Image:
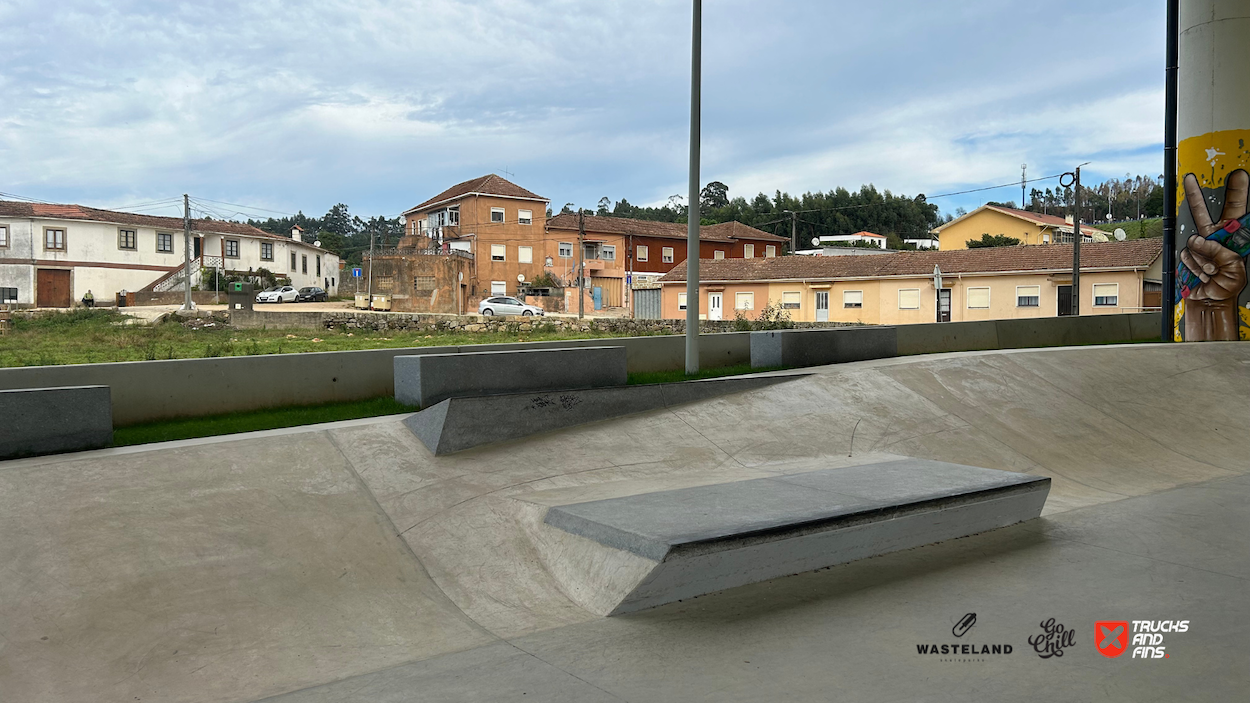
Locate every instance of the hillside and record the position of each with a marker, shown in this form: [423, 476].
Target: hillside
[1136, 229]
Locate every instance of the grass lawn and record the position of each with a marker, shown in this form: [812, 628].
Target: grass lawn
[232, 423]
[92, 337]
[680, 375]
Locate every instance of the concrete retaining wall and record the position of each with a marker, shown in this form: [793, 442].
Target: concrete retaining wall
[55, 420]
[818, 347]
[144, 391]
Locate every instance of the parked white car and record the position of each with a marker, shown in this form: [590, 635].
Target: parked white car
[278, 294]
[503, 305]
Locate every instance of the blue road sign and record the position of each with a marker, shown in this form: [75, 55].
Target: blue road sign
[355, 273]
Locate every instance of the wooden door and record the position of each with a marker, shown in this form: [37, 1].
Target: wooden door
[52, 289]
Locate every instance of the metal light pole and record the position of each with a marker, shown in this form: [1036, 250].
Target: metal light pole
[1168, 299]
[692, 219]
[1074, 180]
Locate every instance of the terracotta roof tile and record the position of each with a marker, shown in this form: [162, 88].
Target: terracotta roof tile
[1136, 254]
[723, 232]
[9, 208]
[488, 185]
[1035, 217]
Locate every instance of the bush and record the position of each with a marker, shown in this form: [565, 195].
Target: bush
[774, 317]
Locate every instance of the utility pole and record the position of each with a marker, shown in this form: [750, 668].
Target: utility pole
[1024, 169]
[581, 263]
[1168, 299]
[370, 293]
[1076, 245]
[186, 251]
[794, 232]
[692, 217]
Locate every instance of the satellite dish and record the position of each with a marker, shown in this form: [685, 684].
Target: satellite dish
[815, 241]
[317, 243]
[1120, 234]
[520, 277]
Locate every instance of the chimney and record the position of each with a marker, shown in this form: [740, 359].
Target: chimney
[296, 233]
[1068, 219]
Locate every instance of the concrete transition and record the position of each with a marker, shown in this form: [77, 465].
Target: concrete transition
[457, 424]
[55, 420]
[431, 378]
[795, 348]
[709, 538]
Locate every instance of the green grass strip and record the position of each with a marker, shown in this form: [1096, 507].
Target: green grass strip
[232, 423]
[678, 375]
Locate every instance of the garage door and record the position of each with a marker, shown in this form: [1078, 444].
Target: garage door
[53, 289]
[611, 290]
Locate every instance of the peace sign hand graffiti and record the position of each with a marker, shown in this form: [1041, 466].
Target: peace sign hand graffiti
[1211, 303]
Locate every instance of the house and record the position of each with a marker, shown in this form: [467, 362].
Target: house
[861, 238]
[1028, 227]
[51, 255]
[926, 242]
[499, 225]
[927, 286]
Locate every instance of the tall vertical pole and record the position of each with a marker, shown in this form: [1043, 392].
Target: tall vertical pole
[1168, 299]
[794, 232]
[692, 219]
[1024, 168]
[186, 251]
[370, 291]
[581, 263]
[1076, 243]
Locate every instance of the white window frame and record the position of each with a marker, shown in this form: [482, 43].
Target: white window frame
[968, 297]
[901, 291]
[607, 252]
[770, 251]
[565, 250]
[497, 211]
[641, 252]
[525, 255]
[741, 295]
[718, 254]
[498, 288]
[525, 217]
[681, 301]
[1115, 299]
[4, 236]
[1046, 238]
[847, 302]
[795, 304]
[748, 251]
[666, 255]
[499, 252]
[1019, 295]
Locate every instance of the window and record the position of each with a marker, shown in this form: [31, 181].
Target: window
[423, 284]
[1106, 294]
[8, 295]
[496, 214]
[744, 301]
[266, 251]
[978, 298]
[909, 299]
[498, 287]
[525, 255]
[748, 251]
[718, 254]
[855, 299]
[642, 252]
[54, 239]
[525, 217]
[1028, 296]
[304, 262]
[666, 255]
[127, 239]
[1046, 238]
[566, 250]
[318, 264]
[164, 243]
[608, 252]
[4, 237]
[770, 251]
[498, 252]
[790, 299]
[292, 261]
[232, 251]
[681, 301]
[453, 215]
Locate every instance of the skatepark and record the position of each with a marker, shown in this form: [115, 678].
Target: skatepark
[349, 562]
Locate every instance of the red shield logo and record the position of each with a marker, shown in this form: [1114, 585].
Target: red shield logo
[1111, 637]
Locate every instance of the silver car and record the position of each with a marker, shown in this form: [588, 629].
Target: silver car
[503, 305]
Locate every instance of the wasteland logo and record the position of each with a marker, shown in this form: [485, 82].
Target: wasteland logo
[963, 652]
[1052, 640]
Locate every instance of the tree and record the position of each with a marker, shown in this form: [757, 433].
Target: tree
[605, 205]
[567, 209]
[714, 195]
[996, 240]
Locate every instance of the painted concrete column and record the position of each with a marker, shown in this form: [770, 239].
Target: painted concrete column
[1213, 153]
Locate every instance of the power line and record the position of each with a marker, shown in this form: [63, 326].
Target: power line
[22, 197]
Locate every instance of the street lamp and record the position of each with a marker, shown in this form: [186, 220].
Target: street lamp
[1073, 178]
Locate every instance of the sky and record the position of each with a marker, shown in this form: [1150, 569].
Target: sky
[285, 107]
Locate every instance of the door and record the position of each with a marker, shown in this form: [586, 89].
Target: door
[714, 302]
[822, 306]
[597, 294]
[944, 305]
[1065, 300]
[197, 243]
[52, 289]
[514, 306]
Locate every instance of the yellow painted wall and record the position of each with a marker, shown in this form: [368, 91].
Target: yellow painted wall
[991, 222]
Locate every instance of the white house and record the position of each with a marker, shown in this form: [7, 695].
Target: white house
[51, 255]
[922, 242]
[876, 240]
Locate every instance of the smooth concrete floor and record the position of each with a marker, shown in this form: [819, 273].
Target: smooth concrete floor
[347, 557]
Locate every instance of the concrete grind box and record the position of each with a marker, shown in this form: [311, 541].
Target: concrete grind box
[431, 378]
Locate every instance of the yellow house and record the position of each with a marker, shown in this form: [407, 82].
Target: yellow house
[926, 286]
[1029, 227]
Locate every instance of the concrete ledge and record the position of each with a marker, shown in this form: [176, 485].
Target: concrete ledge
[797, 348]
[432, 378]
[55, 420]
[709, 538]
[1062, 331]
[935, 337]
[457, 424]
